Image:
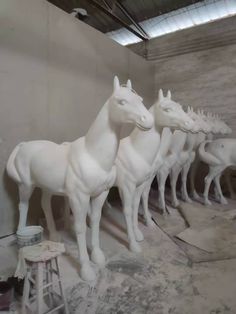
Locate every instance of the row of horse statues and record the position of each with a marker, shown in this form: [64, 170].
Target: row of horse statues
[165, 141]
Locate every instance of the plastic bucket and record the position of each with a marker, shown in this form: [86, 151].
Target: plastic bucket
[29, 235]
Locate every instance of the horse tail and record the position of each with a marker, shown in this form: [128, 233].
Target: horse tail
[11, 168]
[207, 157]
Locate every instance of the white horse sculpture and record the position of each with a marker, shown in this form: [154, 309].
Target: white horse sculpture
[217, 126]
[82, 170]
[219, 155]
[136, 156]
[189, 152]
[193, 145]
[160, 160]
[174, 155]
[170, 151]
[183, 155]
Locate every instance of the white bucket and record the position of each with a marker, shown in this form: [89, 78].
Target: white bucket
[29, 235]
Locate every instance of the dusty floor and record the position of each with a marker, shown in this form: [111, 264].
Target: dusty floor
[163, 279]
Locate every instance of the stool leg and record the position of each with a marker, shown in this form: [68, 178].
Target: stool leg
[60, 287]
[49, 280]
[25, 298]
[39, 287]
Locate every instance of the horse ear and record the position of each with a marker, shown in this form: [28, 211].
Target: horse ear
[129, 85]
[188, 110]
[116, 84]
[160, 95]
[169, 94]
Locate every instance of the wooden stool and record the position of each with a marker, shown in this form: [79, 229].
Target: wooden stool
[41, 277]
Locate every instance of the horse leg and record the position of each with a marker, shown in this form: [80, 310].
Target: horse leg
[144, 198]
[47, 209]
[208, 179]
[184, 175]
[193, 172]
[161, 179]
[97, 255]
[219, 190]
[80, 203]
[136, 201]
[127, 195]
[173, 180]
[24, 195]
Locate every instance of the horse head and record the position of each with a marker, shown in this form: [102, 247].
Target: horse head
[170, 114]
[126, 106]
[222, 126]
[200, 120]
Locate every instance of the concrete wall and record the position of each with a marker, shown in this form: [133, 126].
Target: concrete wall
[204, 79]
[55, 74]
[198, 65]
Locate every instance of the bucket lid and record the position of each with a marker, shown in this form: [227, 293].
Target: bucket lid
[30, 230]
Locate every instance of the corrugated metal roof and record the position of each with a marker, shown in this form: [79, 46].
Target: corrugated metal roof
[139, 9]
[195, 14]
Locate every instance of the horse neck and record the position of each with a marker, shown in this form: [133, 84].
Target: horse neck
[146, 143]
[166, 137]
[200, 138]
[102, 139]
[178, 141]
[190, 141]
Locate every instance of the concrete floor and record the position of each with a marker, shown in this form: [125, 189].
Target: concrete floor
[163, 279]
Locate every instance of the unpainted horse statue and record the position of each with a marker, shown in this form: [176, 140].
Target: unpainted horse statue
[186, 156]
[174, 157]
[217, 126]
[219, 154]
[82, 170]
[136, 158]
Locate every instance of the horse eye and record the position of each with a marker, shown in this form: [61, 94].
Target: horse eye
[168, 110]
[122, 102]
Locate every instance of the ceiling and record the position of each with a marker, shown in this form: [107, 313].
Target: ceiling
[139, 10]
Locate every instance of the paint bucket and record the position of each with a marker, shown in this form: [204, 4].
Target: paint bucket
[29, 235]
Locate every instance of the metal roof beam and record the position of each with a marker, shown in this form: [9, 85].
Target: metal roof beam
[117, 19]
[131, 18]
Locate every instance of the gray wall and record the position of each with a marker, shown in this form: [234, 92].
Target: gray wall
[55, 74]
[198, 65]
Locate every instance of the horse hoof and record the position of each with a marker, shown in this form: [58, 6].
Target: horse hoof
[87, 273]
[207, 202]
[196, 197]
[165, 214]
[175, 203]
[223, 201]
[98, 257]
[150, 223]
[135, 247]
[188, 200]
[138, 235]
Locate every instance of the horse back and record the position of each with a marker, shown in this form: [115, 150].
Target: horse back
[43, 164]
